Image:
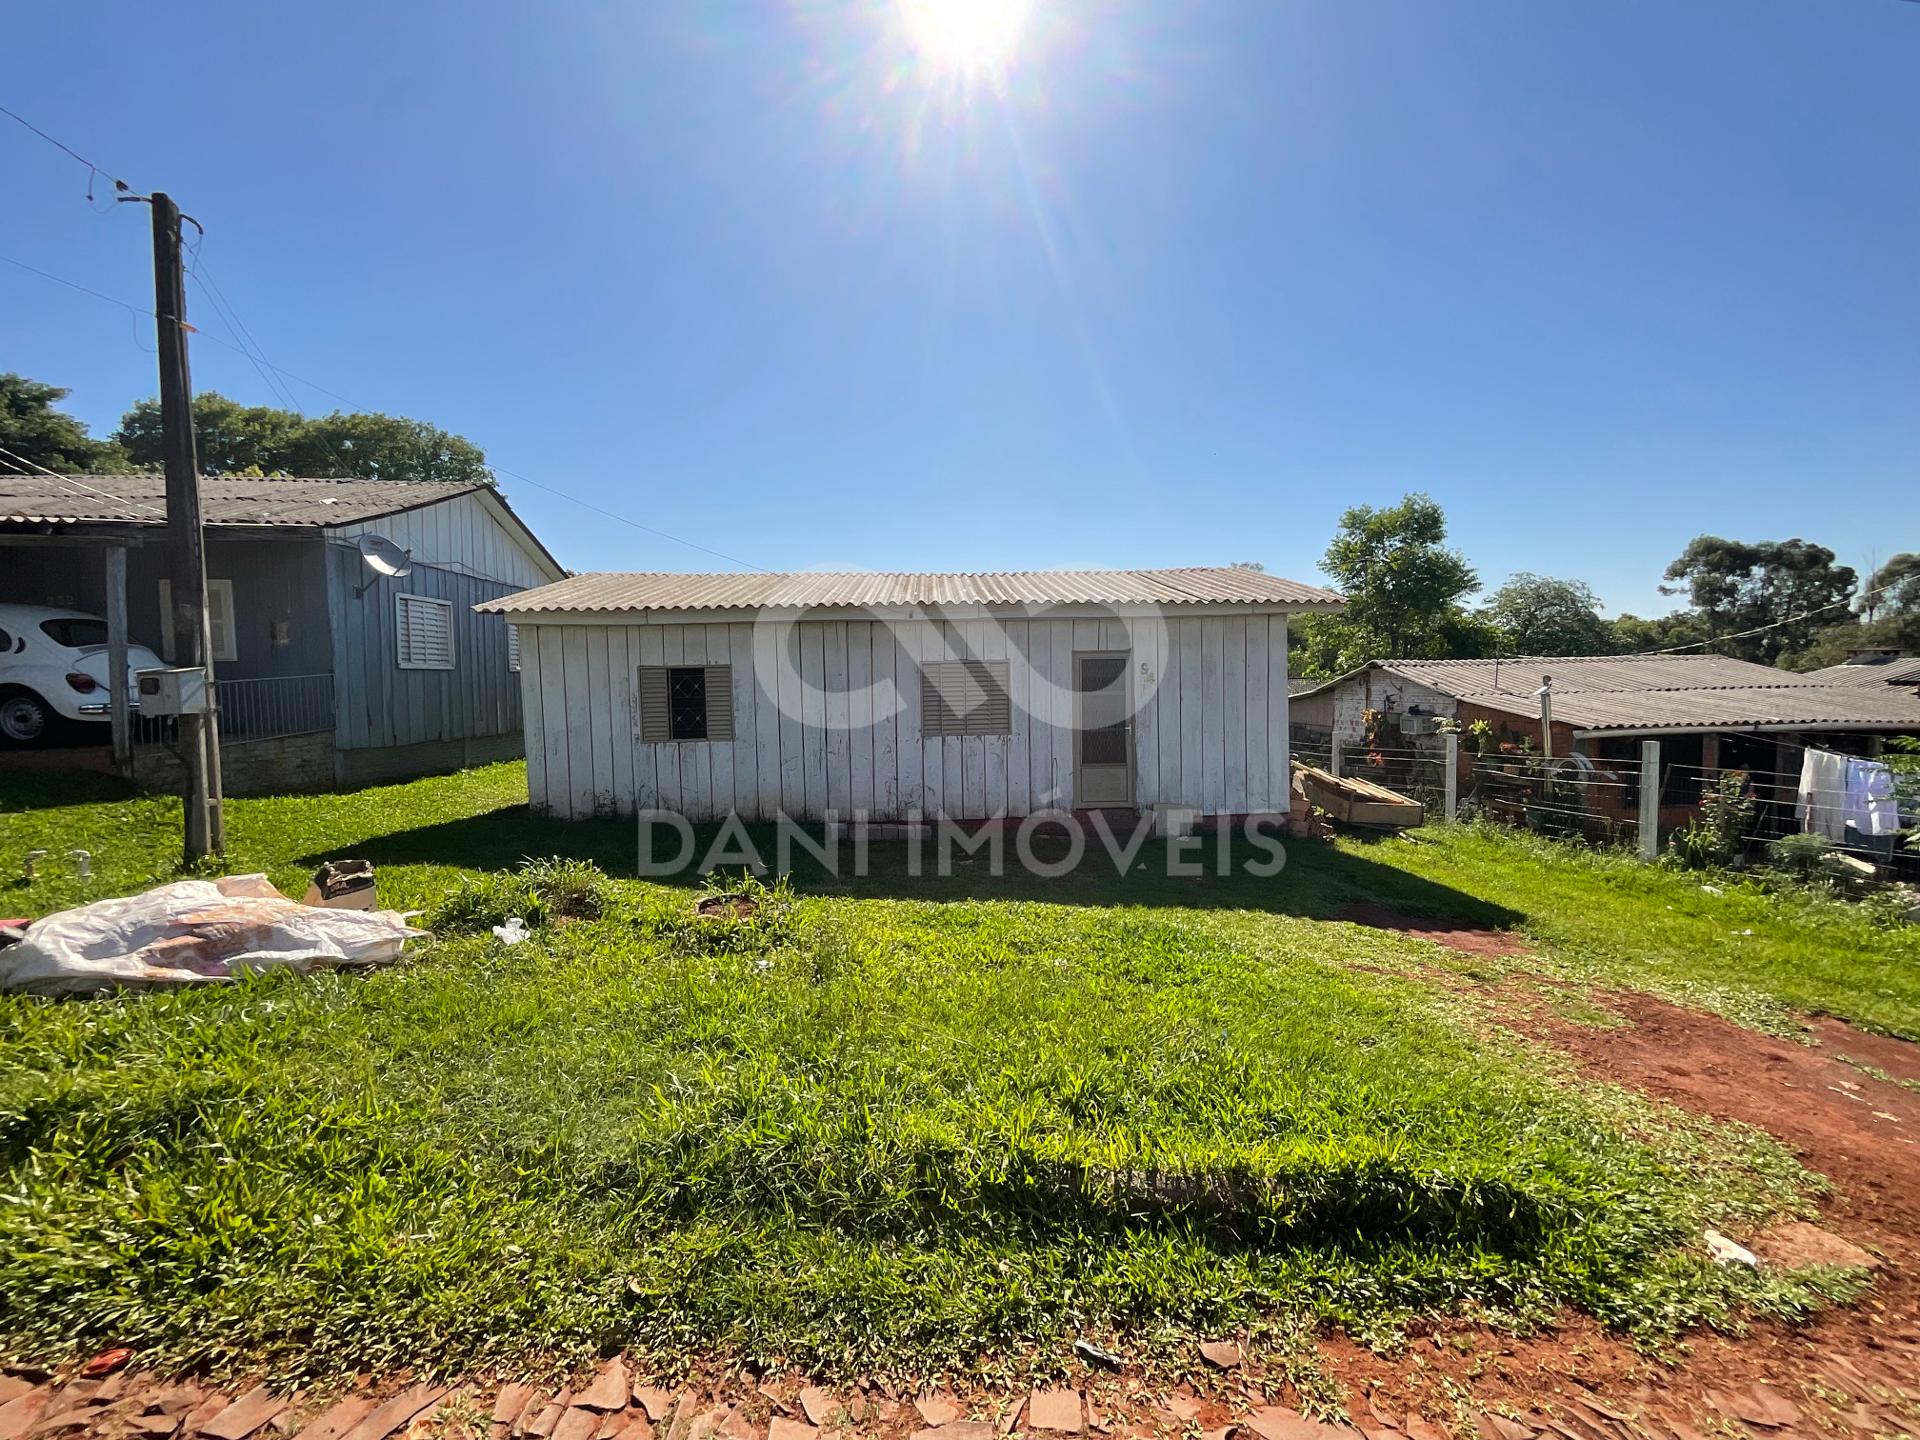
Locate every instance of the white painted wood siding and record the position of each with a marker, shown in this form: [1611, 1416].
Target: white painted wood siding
[834, 722]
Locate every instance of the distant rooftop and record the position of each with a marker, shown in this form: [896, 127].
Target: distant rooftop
[1664, 692]
[1882, 670]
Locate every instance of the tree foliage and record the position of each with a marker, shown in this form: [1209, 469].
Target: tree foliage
[1538, 615]
[33, 427]
[1633, 635]
[1737, 586]
[1404, 589]
[1893, 592]
[235, 439]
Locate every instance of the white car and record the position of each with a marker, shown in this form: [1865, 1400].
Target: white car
[53, 667]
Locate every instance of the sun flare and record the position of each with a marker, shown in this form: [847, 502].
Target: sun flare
[967, 37]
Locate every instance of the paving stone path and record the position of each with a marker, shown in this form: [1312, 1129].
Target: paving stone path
[1875, 1395]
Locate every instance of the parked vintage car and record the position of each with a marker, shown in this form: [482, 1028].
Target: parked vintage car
[53, 669]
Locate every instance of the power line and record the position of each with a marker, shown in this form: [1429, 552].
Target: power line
[260, 362]
[1845, 604]
[79, 488]
[120, 186]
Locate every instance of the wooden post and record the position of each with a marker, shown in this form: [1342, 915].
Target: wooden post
[199, 734]
[117, 710]
[1333, 755]
[1649, 799]
[1450, 751]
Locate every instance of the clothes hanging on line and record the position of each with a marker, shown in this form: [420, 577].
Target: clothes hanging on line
[1872, 808]
[1822, 802]
[1842, 791]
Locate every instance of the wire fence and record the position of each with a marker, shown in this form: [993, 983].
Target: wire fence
[1740, 813]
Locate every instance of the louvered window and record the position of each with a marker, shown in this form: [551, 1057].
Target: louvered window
[686, 702]
[965, 697]
[423, 632]
[513, 648]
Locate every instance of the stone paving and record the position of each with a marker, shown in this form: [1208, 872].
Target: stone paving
[1224, 1399]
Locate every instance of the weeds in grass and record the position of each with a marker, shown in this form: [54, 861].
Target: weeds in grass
[539, 892]
[737, 915]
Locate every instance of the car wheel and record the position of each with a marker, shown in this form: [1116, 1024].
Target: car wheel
[25, 718]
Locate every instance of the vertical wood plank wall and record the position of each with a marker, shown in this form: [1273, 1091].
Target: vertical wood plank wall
[463, 555]
[1212, 735]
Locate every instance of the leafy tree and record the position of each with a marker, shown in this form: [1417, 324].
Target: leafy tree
[39, 433]
[1403, 588]
[1736, 586]
[1635, 636]
[1893, 591]
[1538, 615]
[235, 439]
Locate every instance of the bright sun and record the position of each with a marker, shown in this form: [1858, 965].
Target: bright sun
[967, 37]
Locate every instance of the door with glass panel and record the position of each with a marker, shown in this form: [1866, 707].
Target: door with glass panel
[1102, 729]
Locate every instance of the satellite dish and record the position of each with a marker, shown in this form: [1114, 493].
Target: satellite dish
[382, 557]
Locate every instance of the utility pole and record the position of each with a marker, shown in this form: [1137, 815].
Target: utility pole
[186, 542]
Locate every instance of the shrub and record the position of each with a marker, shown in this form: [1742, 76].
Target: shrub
[556, 888]
[1720, 834]
[1804, 857]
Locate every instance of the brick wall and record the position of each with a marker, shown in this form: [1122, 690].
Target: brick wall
[284, 764]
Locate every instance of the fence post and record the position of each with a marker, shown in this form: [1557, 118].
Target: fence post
[1649, 799]
[1333, 756]
[1450, 751]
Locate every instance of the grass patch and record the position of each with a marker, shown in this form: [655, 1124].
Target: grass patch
[860, 1124]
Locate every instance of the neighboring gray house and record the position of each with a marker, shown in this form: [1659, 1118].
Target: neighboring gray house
[898, 696]
[327, 673]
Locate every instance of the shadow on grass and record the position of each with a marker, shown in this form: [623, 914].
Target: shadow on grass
[1317, 881]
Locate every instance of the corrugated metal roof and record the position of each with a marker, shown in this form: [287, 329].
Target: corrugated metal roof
[608, 593]
[224, 499]
[1905, 671]
[1664, 692]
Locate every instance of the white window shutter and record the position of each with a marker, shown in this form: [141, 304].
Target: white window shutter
[513, 648]
[423, 632]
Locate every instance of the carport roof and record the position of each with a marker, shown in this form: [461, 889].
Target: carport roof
[276, 501]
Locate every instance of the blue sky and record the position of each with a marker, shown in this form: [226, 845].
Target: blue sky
[1599, 275]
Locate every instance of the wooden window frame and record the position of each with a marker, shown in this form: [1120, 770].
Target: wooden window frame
[653, 712]
[222, 648]
[992, 715]
[400, 630]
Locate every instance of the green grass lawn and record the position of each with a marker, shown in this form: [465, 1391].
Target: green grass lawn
[920, 1121]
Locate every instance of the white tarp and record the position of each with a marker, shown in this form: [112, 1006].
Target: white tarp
[192, 932]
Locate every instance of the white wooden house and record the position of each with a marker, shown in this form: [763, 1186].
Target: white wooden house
[907, 695]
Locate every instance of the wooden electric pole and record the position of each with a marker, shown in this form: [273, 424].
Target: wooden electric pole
[186, 542]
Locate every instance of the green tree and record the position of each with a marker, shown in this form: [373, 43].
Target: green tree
[1893, 591]
[1404, 590]
[1790, 586]
[235, 439]
[34, 428]
[1635, 636]
[1538, 615]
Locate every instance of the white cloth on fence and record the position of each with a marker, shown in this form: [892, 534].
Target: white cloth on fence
[1872, 808]
[1822, 803]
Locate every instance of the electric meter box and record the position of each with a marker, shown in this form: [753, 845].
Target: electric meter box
[171, 692]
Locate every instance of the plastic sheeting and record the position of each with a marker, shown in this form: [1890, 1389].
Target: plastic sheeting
[194, 932]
